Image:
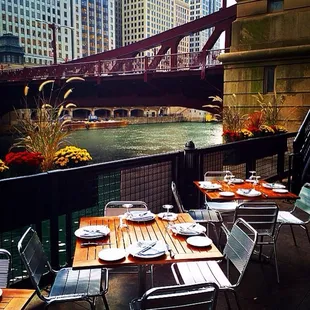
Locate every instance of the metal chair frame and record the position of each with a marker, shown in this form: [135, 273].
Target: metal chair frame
[178, 297]
[202, 216]
[290, 218]
[262, 216]
[115, 208]
[68, 284]
[5, 268]
[224, 207]
[238, 250]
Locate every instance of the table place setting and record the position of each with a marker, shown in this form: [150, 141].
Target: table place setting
[139, 216]
[234, 181]
[273, 186]
[187, 229]
[209, 185]
[227, 194]
[168, 216]
[112, 254]
[199, 241]
[148, 248]
[92, 232]
[248, 192]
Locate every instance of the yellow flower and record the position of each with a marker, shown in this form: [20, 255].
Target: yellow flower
[3, 166]
[71, 156]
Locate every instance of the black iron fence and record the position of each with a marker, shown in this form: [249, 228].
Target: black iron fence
[54, 201]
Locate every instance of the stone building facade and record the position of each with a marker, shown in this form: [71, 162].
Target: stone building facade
[270, 54]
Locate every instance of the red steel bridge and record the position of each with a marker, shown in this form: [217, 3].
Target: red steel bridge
[121, 78]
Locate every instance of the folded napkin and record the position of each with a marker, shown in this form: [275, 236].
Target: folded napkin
[148, 248]
[188, 228]
[140, 215]
[93, 231]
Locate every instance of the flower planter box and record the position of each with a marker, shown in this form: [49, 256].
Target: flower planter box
[256, 148]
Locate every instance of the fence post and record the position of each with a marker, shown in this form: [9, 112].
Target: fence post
[190, 174]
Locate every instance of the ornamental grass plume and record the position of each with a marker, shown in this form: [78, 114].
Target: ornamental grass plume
[71, 156]
[46, 133]
[3, 166]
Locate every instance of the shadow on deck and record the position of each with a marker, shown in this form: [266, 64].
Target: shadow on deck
[258, 290]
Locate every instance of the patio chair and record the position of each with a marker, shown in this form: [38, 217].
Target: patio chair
[238, 250]
[5, 268]
[262, 216]
[225, 207]
[115, 208]
[202, 216]
[67, 285]
[293, 217]
[197, 296]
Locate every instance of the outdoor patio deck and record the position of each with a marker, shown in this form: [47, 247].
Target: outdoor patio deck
[258, 290]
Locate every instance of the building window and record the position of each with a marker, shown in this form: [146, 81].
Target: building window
[275, 5]
[269, 79]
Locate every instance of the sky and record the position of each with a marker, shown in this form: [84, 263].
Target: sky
[222, 37]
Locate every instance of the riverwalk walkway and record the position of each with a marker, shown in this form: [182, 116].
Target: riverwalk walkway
[259, 289]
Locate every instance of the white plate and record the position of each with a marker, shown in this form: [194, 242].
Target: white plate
[92, 232]
[250, 181]
[167, 216]
[226, 194]
[188, 229]
[273, 185]
[200, 241]
[112, 254]
[159, 249]
[280, 190]
[252, 193]
[140, 216]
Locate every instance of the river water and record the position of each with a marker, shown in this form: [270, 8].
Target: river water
[145, 139]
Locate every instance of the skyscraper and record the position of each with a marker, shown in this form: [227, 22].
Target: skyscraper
[198, 9]
[34, 23]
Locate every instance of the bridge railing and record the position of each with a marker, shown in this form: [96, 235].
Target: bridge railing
[136, 65]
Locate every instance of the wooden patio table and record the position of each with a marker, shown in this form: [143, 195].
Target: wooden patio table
[15, 299]
[87, 257]
[267, 193]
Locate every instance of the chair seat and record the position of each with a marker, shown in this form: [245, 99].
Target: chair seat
[203, 216]
[222, 206]
[287, 217]
[201, 272]
[85, 282]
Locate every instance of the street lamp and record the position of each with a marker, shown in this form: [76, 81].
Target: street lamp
[54, 28]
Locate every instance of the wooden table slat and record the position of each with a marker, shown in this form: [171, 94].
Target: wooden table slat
[15, 299]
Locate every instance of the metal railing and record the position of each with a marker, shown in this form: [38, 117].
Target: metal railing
[53, 201]
[110, 67]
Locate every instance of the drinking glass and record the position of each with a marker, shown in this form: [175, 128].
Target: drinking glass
[253, 173]
[127, 206]
[167, 208]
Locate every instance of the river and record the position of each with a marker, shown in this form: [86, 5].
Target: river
[145, 139]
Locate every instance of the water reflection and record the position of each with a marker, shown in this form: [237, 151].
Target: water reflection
[138, 140]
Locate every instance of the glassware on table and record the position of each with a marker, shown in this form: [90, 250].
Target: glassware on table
[127, 206]
[256, 180]
[167, 207]
[253, 174]
[230, 180]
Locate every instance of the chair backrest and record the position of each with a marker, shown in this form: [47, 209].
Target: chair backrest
[304, 202]
[177, 198]
[196, 296]
[216, 175]
[261, 215]
[33, 256]
[239, 247]
[115, 208]
[5, 268]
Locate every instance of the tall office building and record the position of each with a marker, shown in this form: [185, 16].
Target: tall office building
[98, 26]
[181, 16]
[145, 18]
[33, 22]
[198, 9]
